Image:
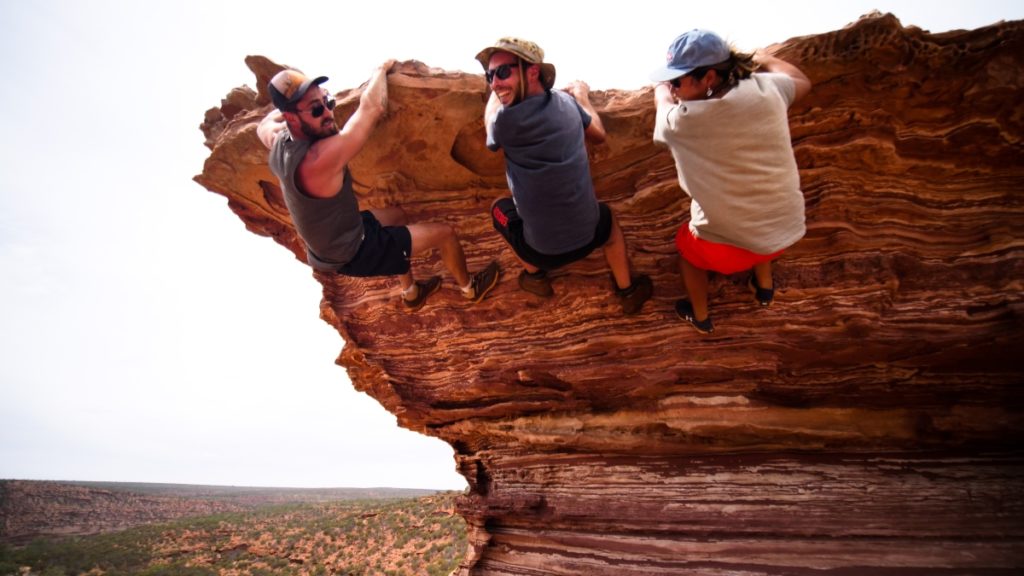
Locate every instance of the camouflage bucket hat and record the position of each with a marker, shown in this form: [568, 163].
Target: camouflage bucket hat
[525, 50]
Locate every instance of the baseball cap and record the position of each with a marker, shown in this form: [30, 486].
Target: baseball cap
[690, 51]
[528, 51]
[288, 86]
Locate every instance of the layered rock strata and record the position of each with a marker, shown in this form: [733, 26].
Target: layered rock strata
[868, 422]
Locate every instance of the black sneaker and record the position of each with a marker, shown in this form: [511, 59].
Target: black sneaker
[426, 288]
[483, 282]
[685, 312]
[538, 283]
[633, 298]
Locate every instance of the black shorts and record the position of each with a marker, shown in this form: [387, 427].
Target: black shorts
[384, 250]
[507, 222]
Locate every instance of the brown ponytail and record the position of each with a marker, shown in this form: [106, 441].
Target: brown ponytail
[738, 67]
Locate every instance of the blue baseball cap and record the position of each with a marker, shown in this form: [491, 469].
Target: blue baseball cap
[690, 51]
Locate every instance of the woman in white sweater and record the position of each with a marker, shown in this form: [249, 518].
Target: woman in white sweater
[728, 130]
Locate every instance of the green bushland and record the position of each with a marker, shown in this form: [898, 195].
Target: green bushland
[400, 537]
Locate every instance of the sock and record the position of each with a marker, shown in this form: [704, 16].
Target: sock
[411, 292]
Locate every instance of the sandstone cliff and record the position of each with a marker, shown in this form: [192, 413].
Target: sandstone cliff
[868, 422]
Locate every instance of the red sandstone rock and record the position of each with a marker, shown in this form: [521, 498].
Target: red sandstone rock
[868, 422]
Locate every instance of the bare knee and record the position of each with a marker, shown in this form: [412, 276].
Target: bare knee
[390, 216]
[430, 235]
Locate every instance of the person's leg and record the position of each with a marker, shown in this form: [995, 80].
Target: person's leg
[390, 216]
[505, 219]
[430, 235]
[763, 273]
[395, 216]
[406, 281]
[526, 265]
[695, 281]
[615, 254]
[762, 284]
[500, 219]
[530, 268]
[632, 291]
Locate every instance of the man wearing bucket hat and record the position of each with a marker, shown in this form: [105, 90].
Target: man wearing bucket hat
[553, 217]
[728, 131]
[309, 154]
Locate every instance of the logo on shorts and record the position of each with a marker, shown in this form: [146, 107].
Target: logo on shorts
[500, 217]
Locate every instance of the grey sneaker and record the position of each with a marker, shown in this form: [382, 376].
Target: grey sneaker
[426, 288]
[633, 298]
[483, 282]
[538, 283]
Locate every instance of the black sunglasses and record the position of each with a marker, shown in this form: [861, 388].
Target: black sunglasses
[317, 110]
[503, 71]
[676, 82]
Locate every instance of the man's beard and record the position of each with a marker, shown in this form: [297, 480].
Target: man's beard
[517, 95]
[318, 131]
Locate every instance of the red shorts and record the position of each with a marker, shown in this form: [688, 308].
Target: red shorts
[722, 258]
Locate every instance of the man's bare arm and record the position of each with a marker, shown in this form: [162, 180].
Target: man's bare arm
[491, 112]
[323, 170]
[270, 127]
[581, 92]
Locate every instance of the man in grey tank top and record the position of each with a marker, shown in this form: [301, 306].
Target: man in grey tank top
[553, 217]
[309, 154]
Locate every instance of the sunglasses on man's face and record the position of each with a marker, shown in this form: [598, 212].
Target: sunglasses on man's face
[676, 82]
[502, 72]
[317, 110]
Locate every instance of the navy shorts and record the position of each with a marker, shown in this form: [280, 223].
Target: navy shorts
[507, 222]
[384, 250]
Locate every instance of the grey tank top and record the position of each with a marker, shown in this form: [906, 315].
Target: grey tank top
[332, 228]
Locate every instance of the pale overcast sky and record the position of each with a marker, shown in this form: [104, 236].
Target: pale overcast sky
[145, 335]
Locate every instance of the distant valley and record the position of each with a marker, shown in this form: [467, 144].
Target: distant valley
[30, 508]
[75, 528]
